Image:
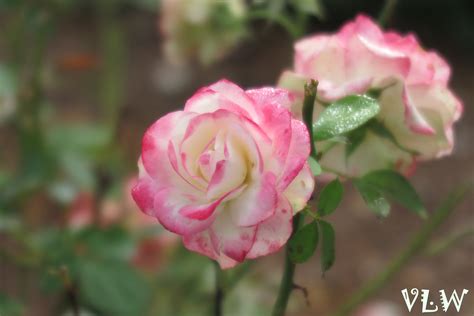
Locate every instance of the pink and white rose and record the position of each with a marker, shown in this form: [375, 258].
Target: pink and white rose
[228, 172]
[200, 29]
[417, 106]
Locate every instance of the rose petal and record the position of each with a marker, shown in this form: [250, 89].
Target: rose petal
[231, 240]
[266, 96]
[256, 203]
[229, 173]
[320, 57]
[275, 118]
[298, 152]
[222, 95]
[367, 59]
[205, 100]
[179, 166]
[155, 148]
[299, 191]
[273, 233]
[201, 243]
[329, 91]
[143, 194]
[414, 119]
[435, 98]
[205, 135]
[167, 209]
[233, 93]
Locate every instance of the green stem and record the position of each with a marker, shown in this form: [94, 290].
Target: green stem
[286, 285]
[239, 273]
[112, 39]
[310, 91]
[334, 171]
[314, 216]
[387, 12]
[417, 243]
[446, 243]
[219, 291]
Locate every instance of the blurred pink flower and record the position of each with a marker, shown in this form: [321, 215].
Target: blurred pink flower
[152, 252]
[80, 213]
[411, 84]
[200, 29]
[379, 309]
[228, 173]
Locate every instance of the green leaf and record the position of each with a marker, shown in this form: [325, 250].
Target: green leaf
[148, 5]
[8, 81]
[8, 90]
[328, 251]
[9, 223]
[10, 306]
[354, 139]
[395, 187]
[330, 197]
[112, 243]
[85, 138]
[315, 166]
[344, 116]
[373, 198]
[77, 169]
[380, 130]
[303, 243]
[113, 288]
[312, 7]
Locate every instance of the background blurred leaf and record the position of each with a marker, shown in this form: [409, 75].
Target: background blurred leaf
[149, 5]
[63, 191]
[330, 197]
[393, 186]
[10, 306]
[8, 4]
[303, 243]
[61, 240]
[71, 248]
[112, 243]
[86, 137]
[344, 115]
[78, 149]
[311, 7]
[113, 288]
[8, 81]
[78, 168]
[8, 222]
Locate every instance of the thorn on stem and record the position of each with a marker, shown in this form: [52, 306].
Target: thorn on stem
[304, 291]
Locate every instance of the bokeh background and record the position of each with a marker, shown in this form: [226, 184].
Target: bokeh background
[80, 81]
